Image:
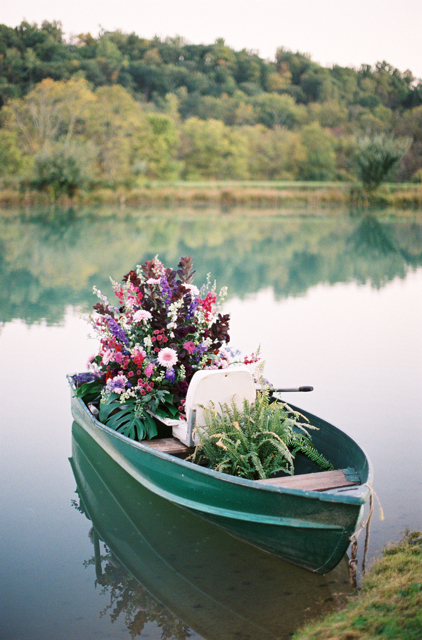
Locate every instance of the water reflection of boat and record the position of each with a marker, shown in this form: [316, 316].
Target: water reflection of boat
[213, 583]
[297, 518]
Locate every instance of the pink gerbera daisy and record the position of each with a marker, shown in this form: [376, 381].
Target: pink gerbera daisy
[140, 315]
[167, 357]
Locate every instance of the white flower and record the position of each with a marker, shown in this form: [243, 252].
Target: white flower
[142, 314]
[173, 308]
[100, 295]
[167, 357]
[148, 341]
[153, 281]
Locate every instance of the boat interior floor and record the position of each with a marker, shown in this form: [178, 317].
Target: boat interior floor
[320, 481]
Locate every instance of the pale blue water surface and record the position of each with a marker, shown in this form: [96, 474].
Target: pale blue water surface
[333, 299]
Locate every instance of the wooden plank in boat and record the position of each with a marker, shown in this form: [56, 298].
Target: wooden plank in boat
[320, 481]
[168, 445]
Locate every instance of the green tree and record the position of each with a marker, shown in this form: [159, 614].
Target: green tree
[328, 114]
[209, 149]
[376, 157]
[274, 154]
[118, 127]
[13, 160]
[278, 110]
[62, 169]
[409, 124]
[48, 113]
[161, 149]
[320, 154]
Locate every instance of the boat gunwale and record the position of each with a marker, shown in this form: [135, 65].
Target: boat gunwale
[344, 495]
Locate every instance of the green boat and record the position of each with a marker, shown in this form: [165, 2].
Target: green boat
[306, 519]
[164, 564]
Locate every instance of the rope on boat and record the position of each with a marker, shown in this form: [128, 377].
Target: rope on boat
[353, 562]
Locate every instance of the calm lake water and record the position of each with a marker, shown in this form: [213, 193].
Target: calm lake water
[334, 300]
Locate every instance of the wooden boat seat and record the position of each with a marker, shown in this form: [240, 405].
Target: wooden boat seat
[320, 481]
[173, 446]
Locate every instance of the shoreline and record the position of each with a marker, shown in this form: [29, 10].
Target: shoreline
[389, 603]
[225, 195]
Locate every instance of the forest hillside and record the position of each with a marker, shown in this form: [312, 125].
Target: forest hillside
[119, 109]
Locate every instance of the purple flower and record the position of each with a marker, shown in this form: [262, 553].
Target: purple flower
[117, 331]
[192, 308]
[170, 375]
[80, 378]
[201, 348]
[165, 289]
[117, 384]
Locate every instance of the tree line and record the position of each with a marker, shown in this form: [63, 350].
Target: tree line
[119, 109]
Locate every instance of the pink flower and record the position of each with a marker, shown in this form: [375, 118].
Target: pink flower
[119, 357]
[192, 289]
[90, 361]
[189, 346]
[140, 315]
[148, 370]
[167, 357]
[108, 356]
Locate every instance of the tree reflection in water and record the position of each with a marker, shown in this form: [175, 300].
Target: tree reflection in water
[48, 264]
[129, 598]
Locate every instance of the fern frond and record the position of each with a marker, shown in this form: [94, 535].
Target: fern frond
[255, 440]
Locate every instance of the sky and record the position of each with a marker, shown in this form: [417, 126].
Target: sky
[344, 32]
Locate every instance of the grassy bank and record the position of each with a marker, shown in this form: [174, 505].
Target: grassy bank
[225, 194]
[388, 606]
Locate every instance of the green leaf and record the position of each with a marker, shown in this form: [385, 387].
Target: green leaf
[89, 391]
[127, 418]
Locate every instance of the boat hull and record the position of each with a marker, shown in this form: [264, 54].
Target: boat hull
[307, 528]
[210, 582]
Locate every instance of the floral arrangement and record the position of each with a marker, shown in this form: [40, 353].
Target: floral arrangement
[163, 330]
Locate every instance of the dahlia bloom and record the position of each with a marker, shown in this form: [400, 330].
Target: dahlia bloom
[189, 346]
